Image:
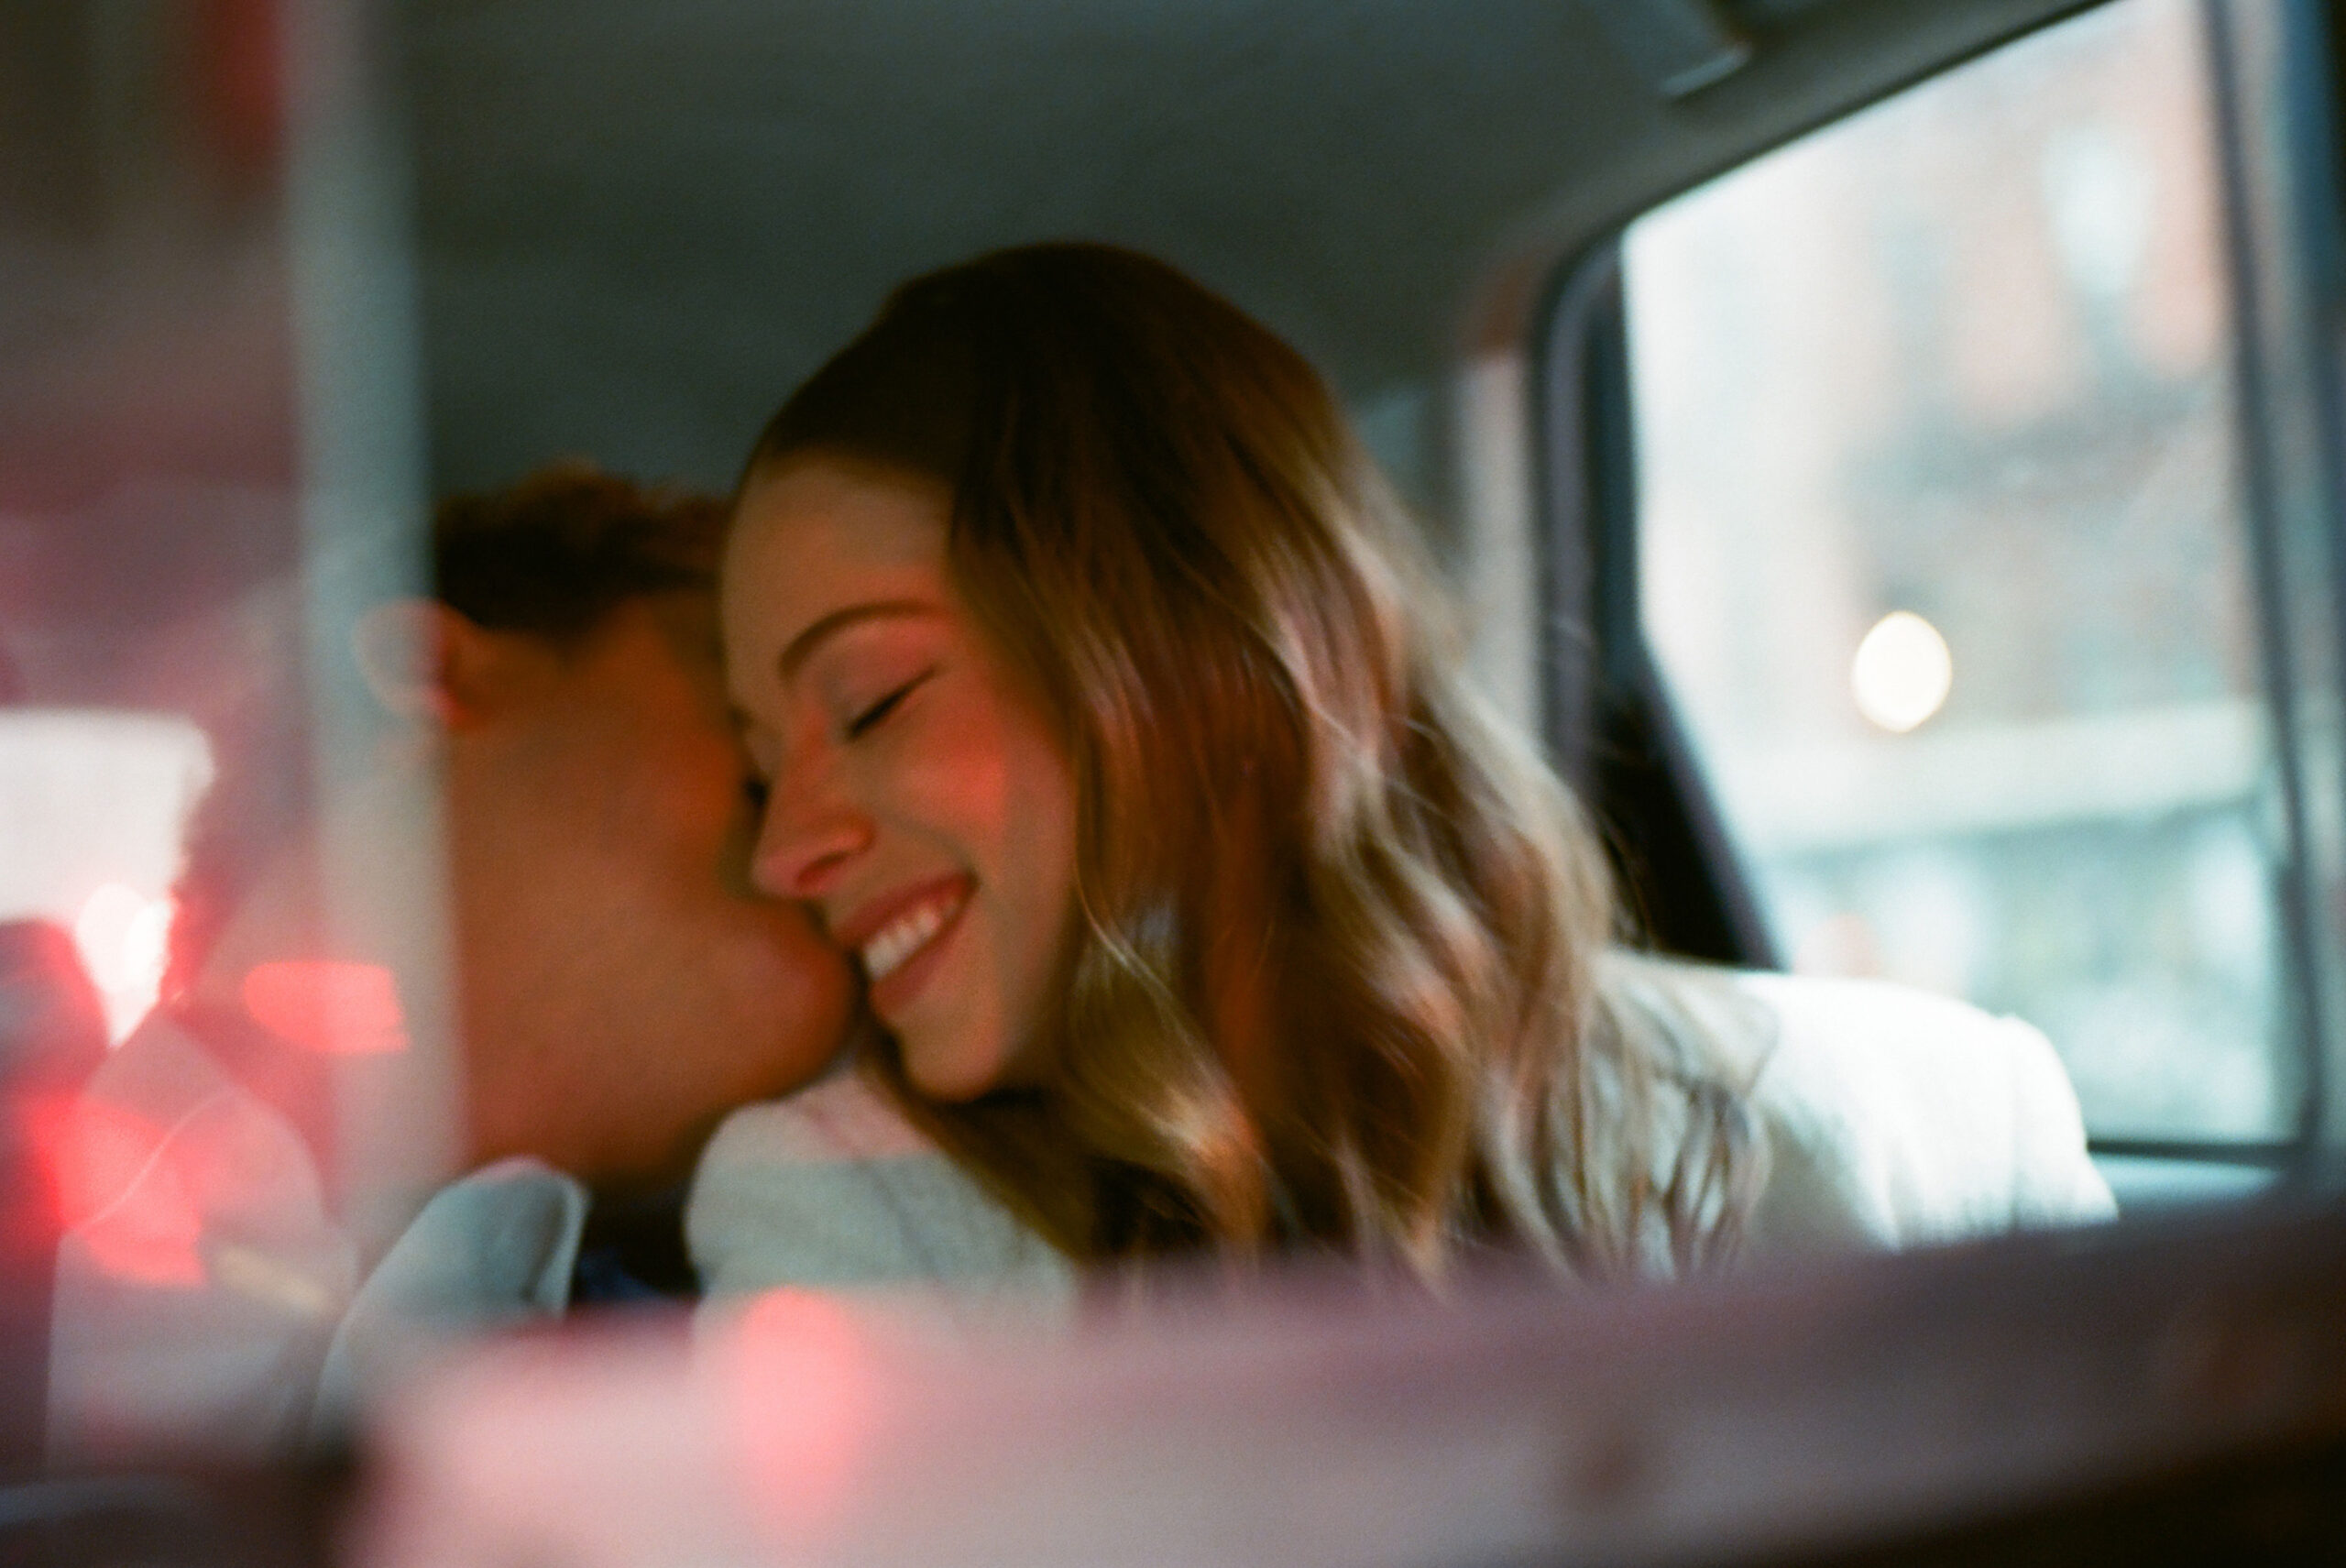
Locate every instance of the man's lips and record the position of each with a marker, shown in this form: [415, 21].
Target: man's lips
[886, 931]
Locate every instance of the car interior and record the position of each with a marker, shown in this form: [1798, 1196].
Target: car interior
[1889, 453]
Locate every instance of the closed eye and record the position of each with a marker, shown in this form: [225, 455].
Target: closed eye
[863, 722]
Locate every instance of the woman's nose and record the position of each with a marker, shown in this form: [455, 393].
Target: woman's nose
[811, 831]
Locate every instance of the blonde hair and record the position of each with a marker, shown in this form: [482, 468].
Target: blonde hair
[1334, 980]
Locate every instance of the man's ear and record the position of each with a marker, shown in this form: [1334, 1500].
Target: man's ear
[425, 662]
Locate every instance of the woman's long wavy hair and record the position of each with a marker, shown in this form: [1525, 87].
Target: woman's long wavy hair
[1334, 982]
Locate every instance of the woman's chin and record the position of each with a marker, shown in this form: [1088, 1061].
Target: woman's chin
[951, 1075]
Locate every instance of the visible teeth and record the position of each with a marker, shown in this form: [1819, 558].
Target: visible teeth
[905, 936]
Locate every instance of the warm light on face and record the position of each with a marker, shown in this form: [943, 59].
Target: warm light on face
[1903, 672]
[124, 940]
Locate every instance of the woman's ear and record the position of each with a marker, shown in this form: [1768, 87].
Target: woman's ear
[426, 662]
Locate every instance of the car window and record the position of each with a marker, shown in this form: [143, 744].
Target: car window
[1946, 566]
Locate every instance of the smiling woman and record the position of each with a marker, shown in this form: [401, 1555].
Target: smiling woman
[1108, 717]
[1106, 720]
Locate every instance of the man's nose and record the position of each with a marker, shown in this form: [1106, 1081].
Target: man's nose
[811, 831]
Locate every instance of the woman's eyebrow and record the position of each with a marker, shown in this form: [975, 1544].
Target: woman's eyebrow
[802, 647]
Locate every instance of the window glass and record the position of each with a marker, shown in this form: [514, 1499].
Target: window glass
[1945, 562]
[201, 402]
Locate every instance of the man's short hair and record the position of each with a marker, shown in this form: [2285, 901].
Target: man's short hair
[557, 552]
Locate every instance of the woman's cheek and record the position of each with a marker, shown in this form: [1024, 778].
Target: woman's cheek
[951, 771]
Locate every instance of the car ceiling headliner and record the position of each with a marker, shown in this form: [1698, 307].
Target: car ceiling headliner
[640, 224]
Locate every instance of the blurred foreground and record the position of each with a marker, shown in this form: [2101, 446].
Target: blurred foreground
[2139, 1394]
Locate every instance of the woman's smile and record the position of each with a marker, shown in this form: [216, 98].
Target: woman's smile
[899, 938]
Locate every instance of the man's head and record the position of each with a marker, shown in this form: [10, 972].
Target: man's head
[619, 986]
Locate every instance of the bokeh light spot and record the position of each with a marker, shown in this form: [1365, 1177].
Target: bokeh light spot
[327, 1006]
[804, 1396]
[124, 940]
[1903, 673]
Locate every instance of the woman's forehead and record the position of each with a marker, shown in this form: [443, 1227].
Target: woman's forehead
[818, 529]
[819, 546]
[886, 507]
